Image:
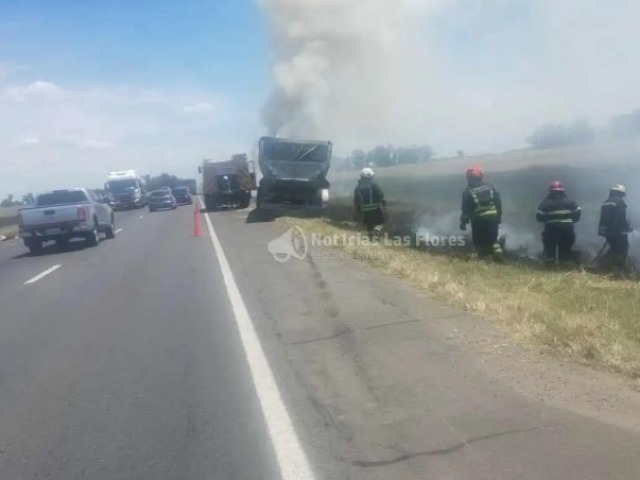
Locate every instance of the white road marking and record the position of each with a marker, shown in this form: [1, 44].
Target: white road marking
[141, 217]
[291, 458]
[118, 231]
[42, 275]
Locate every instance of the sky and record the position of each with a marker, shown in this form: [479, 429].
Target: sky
[158, 85]
[92, 87]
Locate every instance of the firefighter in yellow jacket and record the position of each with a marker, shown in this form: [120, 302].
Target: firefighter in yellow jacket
[482, 206]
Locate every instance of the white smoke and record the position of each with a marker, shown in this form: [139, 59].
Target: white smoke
[454, 74]
[341, 67]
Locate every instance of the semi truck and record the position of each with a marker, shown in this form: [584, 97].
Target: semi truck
[126, 190]
[294, 173]
[228, 183]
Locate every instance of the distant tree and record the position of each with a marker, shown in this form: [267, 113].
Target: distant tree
[625, 127]
[581, 133]
[7, 202]
[552, 136]
[358, 159]
[28, 199]
[163, 180]
[425, 153]
[408, 155]
[382, 156]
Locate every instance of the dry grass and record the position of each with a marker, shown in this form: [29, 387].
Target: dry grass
[593, 319]
[8, 222]
[10, 231]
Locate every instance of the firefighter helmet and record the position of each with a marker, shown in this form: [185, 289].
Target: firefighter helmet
[619, 188]
[556, 186]
[475, 172]
[367, 173]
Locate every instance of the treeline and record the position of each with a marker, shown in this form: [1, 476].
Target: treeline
[386, 156]
[10, 201]
[167, 180]
[581, 132]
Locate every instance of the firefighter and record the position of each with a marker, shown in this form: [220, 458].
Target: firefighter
[226, 184]
[559, 214]
[369, 201]
[615, 226]
[482, 206]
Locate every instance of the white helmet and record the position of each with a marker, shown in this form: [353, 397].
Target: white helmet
[367, 173]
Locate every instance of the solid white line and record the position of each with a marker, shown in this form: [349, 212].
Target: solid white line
[291, 458]
[118, 231]
[42, 275]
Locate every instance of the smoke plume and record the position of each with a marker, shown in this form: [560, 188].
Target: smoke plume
[340, 67]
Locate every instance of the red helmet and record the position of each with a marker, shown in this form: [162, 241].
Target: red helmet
[556, 186]
[475, 172]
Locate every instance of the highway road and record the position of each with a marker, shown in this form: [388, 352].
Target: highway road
[162, 355]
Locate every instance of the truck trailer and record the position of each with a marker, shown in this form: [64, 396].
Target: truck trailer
[228, 183]
[294, 173]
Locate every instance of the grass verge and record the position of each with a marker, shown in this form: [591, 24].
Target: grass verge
[10, 231]
[595, 320]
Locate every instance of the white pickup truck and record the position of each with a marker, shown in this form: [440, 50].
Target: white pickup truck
[62, 215]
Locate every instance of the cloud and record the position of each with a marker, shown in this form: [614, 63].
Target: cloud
[95, 145]
[53, 135]
[30, 142]
[36, 90]
[202, 107]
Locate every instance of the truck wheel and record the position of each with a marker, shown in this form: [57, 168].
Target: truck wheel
[93, 239]
[245, 201]
[110, 232]
[35, 247]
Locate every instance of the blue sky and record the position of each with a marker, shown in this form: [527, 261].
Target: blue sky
[193, 43]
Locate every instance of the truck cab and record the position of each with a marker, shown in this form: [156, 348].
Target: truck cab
[294, 173]
[126, 190]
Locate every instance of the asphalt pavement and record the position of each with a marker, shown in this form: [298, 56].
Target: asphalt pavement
[164, 355]
[125, 362]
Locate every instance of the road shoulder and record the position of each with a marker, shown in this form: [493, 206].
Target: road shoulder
[396, 375]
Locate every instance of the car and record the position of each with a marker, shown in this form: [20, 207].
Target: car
[64, 215]
[162, 199]
[182, 195]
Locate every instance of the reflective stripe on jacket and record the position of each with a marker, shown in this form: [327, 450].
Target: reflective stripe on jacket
[558, 208]
[368, 197]
[481, 201]
[613, 218]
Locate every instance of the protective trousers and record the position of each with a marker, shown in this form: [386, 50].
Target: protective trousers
[558, 239]
[372, 218]
[484, 234]
[618, 250]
